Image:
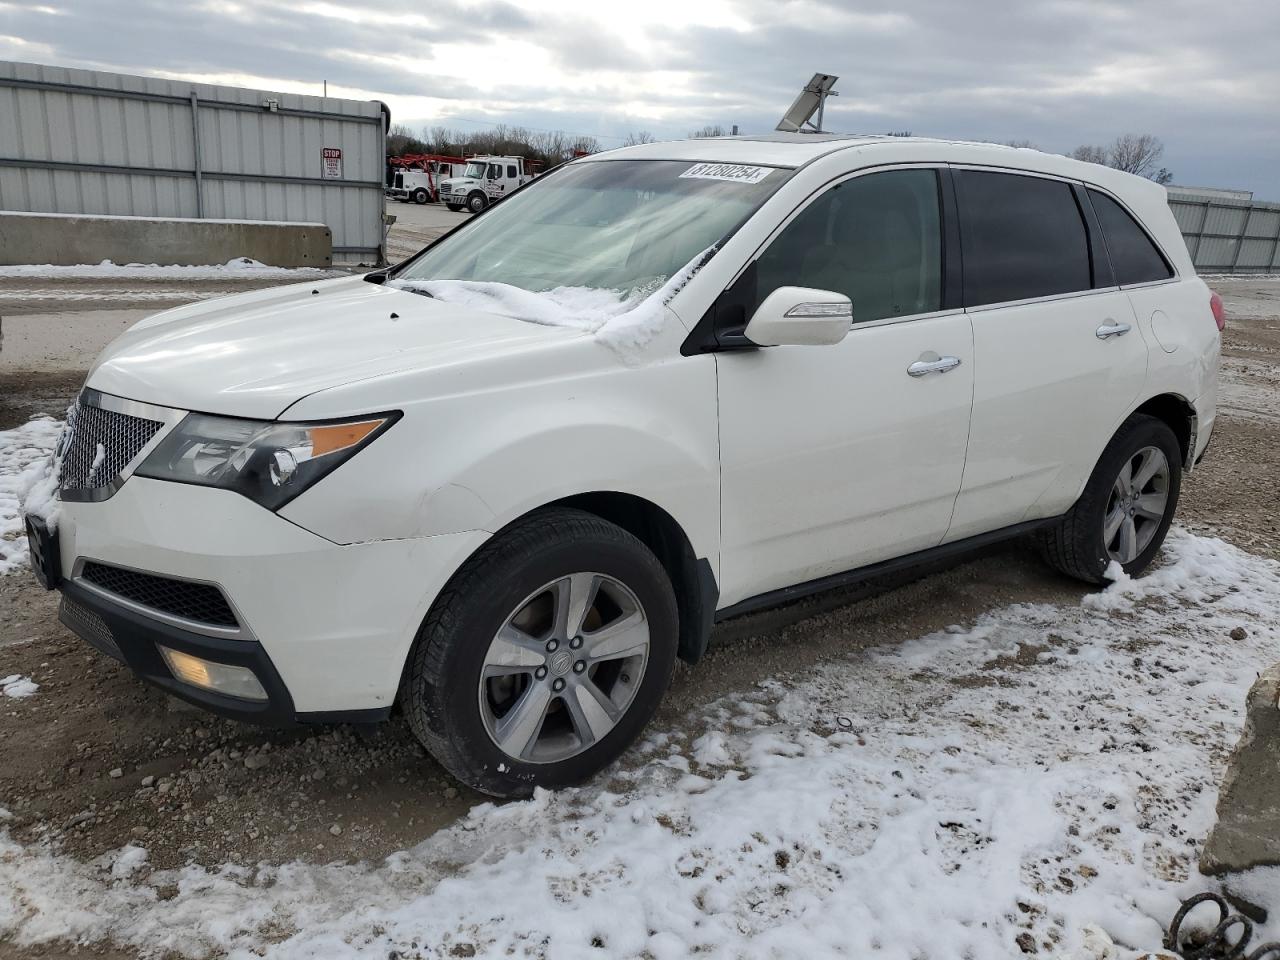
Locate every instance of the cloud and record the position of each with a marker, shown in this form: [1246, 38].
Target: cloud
[1058, 72]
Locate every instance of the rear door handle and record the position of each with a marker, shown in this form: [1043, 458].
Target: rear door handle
[1112, 329]
[922, 368]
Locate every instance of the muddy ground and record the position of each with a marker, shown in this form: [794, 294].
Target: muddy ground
[96, 759]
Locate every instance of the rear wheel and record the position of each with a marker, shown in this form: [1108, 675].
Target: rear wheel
[477, 201]
[1126, 508]
[545, 656]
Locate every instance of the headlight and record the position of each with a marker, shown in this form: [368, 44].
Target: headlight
[270, 463]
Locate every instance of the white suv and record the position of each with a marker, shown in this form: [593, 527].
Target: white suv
[508, 482]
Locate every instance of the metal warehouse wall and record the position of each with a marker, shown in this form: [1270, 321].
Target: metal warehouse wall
[1226, 234]
[84, 141]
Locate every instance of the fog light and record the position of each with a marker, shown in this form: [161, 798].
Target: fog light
[223, 678]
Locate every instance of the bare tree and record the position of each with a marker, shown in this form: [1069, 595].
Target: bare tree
[638, 137]
[1089, 154]
[547, 147]
[710, 130]
[1137, 153]
[1022, 144]
[401, 140]
[898, 133]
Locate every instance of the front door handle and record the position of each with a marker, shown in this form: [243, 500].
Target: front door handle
[1111, 329]
[922, 368]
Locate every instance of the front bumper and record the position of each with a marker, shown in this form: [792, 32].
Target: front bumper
[135, 640]
[325, 627]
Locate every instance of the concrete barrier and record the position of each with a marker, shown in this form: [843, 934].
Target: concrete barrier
[65, 239]
[1247, 834]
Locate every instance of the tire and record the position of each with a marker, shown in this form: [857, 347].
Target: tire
[477, 201]
[455, 207]
[512, 585]
[1080, 544]
[420, 196]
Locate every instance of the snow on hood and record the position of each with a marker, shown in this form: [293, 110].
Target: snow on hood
[623, 320]
[255, 354]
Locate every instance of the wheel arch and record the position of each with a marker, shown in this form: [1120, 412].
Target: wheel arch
[692, 578]
[1179, 415]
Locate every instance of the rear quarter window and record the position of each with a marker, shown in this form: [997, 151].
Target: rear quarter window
[1134, 257]
[1022, 237]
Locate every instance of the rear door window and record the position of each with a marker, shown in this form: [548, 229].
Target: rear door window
[875, 238]
[1023, 237]
[1134, 257]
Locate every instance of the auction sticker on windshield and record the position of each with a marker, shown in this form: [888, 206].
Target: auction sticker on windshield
[727, 171]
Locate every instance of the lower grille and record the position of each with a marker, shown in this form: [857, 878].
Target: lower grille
[201, 602]
[88, 626]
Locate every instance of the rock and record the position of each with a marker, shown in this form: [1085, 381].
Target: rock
[1239, 633]
[450, 793]
[116, 774]
[139, 831]
[317, 773]
[336, 830]
[79, 818]
[148, 781]
[1026, 943]
[256, 761]
[1247, 833]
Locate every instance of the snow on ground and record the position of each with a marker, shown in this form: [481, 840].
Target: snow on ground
[237, 267]
[1046, 768]
[24, 457]
[17, 686]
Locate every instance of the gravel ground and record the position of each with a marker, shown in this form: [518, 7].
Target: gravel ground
[96, 759]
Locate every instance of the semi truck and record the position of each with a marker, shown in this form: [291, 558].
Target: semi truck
[485, 180]
[417, 177]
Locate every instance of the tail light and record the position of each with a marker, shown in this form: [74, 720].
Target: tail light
[1219, 312]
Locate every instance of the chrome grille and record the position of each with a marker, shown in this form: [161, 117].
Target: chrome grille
[99, 444]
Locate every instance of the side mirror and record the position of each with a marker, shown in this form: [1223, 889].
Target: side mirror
[800, 316]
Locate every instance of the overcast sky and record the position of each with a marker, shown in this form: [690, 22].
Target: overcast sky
[1203, 76]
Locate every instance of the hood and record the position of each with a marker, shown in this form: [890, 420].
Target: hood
[255, 354]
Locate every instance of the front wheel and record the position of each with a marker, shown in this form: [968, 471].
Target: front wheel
[477, 202]
[545, 656]
[1126, 508]
[420, 196]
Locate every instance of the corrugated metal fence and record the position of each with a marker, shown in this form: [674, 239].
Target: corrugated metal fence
[86, 141]
[1228, 232]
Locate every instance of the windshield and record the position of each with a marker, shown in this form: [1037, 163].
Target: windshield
[474, 170]
[622, 225]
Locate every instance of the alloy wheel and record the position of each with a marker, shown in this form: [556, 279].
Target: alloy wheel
[1137, 504]
[564, 668]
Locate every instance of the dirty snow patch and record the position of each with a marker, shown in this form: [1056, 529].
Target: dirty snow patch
[25, 460]
[18, 686]
[107, 270]
[1045, 775]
